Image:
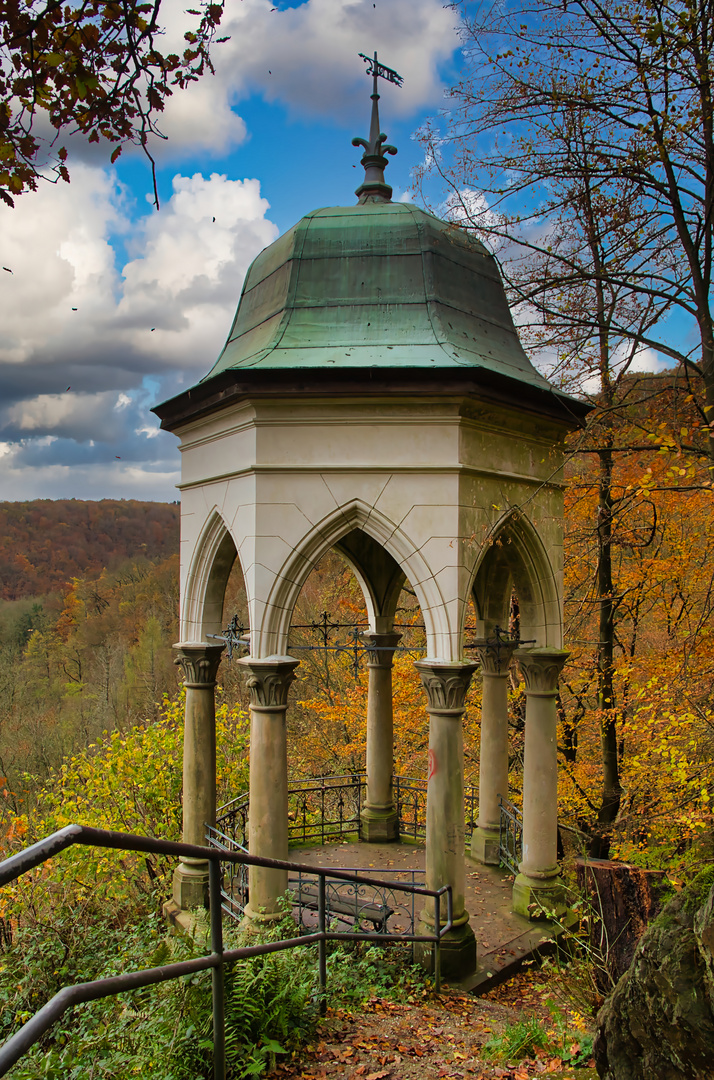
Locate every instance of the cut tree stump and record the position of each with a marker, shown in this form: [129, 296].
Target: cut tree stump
[624, 899]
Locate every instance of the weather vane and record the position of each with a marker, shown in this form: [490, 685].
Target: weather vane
[380, 71]
[373, 188]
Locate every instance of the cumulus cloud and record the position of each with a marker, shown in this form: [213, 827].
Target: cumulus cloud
[80, 335]
[305, 58]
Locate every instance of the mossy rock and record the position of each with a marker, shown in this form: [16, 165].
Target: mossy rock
[659, 1020]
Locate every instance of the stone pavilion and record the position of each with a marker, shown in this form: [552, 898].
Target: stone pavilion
[373, 397]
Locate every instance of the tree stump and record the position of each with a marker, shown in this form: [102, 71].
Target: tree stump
[623, 899]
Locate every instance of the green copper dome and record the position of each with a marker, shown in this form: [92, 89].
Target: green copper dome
[379, 285]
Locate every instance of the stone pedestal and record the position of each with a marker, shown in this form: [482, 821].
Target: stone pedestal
[446, 686]
[379, 819]
[538, 888]
[269, 682]
[199, 665]
[495, 657]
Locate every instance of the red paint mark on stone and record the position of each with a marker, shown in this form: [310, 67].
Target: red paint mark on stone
[431, 758]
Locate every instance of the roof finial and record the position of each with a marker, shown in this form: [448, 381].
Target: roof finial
[373, 188]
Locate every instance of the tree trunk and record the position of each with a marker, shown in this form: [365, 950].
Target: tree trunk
[623, 899]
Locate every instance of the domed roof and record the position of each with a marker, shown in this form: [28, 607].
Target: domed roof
[378, 285]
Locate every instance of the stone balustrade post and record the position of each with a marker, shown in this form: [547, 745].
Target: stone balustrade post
[269, 681]
[199, 666]
[379, 819]
[495, 657]
[538, 887]
[446, 685]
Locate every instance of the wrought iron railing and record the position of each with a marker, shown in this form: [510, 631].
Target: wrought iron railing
[375, 903]
[327, 808]
[33, 1030]
[320, 810]
[510, 834]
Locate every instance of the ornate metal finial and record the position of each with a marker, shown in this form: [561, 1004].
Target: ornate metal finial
[373, 188]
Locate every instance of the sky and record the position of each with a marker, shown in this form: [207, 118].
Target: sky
[108, 306]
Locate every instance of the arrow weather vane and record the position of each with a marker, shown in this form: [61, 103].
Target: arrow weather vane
[373, 188]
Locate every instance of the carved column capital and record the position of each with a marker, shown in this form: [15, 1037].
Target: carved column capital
[446, 685]
[380, 648]
[495, 656]
[199, 664]
[269, 681]
[540, 669]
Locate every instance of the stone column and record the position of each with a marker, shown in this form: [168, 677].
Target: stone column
[538, 886]
[199, 666]
[495, 657]
[446, 686]
[269, 681]
[379, 820]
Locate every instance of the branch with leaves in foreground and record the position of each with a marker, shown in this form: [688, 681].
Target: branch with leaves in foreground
[92, 69]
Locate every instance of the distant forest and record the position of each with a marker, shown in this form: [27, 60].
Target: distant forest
[45, 543]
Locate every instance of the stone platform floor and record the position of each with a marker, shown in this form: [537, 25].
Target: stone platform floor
[504, 940]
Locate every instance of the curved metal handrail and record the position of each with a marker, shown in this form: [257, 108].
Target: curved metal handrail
[23, 861]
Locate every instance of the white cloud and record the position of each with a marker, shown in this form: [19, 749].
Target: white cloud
[650, 361]
[86, 378]
[190, 263]
[306, 59]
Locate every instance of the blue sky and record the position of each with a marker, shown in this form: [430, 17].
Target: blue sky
[112, 307]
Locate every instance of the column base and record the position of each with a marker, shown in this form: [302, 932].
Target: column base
[190, 884]
[192, 923]
[539, 898]
[378, 826]
[458, 950]
[485, 846]
[255, 922]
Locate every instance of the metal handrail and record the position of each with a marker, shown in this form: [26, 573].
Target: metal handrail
[11, 868]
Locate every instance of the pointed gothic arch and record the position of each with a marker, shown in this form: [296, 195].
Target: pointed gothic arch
[204, 588]
[328, 533]
[515, 556]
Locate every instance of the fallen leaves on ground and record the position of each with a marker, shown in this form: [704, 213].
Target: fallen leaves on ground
[428, 1040]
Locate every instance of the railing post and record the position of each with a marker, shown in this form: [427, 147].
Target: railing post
[322, 944]
[437, 943]
[219, 1028]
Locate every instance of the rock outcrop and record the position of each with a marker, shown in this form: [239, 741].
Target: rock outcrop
[659, 1020]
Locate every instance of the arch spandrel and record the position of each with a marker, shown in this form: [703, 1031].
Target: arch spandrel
[210, 565]
[515, 555]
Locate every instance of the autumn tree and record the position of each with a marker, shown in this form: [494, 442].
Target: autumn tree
[94, 68]
[632, 83]
[662, 689]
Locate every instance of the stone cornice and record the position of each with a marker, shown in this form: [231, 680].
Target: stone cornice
[446, 685]
[234, 385]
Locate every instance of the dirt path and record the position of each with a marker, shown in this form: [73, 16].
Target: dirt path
[439, 1037]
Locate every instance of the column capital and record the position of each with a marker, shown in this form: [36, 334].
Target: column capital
[199, 664]
[269, 680]
[380, 648]
[540, 669]
[495, 655]
[446, 685]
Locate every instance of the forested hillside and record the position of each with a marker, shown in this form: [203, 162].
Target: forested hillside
[44, 543]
